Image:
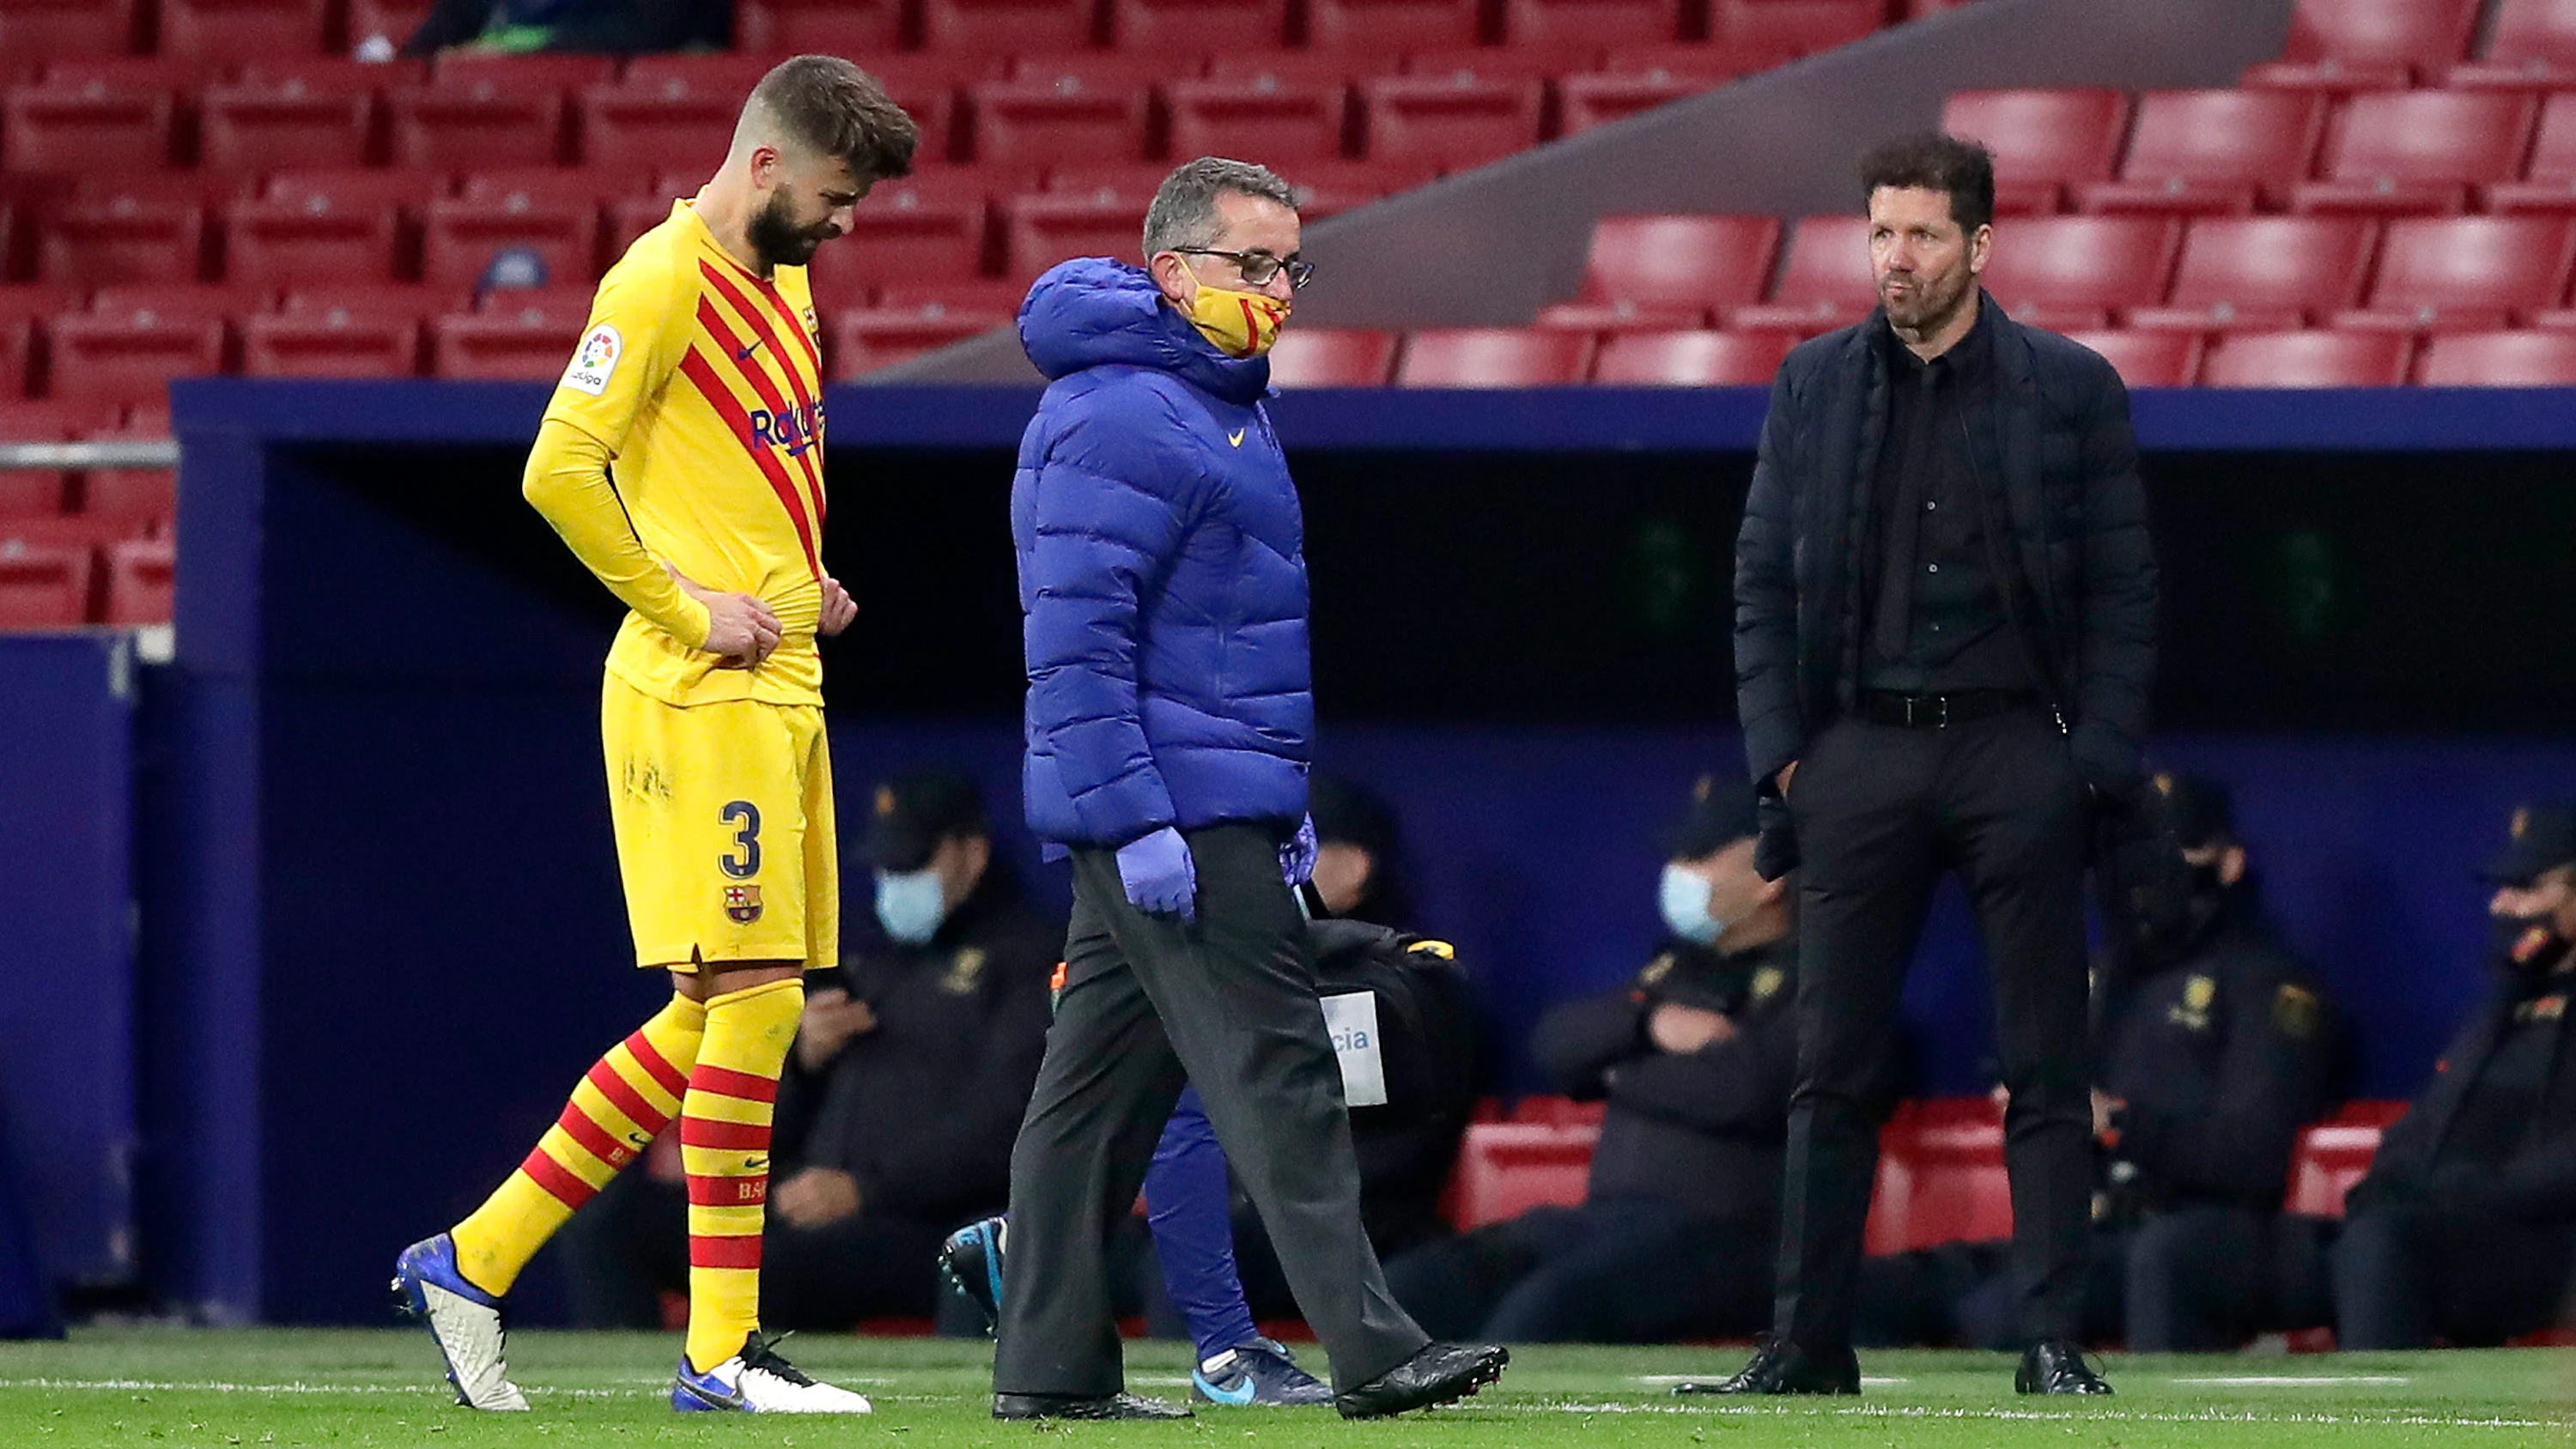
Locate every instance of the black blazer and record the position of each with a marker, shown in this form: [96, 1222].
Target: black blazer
[2054, 455]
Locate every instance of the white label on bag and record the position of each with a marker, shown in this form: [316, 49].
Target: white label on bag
[1351, 1020]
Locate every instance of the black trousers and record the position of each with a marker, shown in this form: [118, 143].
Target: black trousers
[1626, 1270]
[1881, 813]
[1229, 1005]
[2405, 1276]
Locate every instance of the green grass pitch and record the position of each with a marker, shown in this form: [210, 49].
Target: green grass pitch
[360, 1387]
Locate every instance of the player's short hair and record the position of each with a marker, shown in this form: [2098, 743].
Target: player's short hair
[1935, 162]
[1184, 210]
[840, 110]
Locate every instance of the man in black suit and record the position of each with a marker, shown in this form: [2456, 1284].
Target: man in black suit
[1945, 613]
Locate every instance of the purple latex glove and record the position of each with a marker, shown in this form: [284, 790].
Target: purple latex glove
[1297, 857]
[1160, 877]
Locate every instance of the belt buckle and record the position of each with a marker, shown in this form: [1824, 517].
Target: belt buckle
[1938, 719]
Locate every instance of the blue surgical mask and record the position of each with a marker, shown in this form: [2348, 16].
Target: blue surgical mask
[911, 904]
[1684, 898]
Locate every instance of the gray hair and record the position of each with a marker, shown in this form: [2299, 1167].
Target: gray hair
[1184, 209]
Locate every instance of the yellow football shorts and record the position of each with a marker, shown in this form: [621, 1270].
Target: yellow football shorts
[723, 814]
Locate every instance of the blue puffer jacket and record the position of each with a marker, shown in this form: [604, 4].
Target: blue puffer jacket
[1162, 577]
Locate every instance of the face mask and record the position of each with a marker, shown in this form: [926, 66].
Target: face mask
[911, 905]
[1241, 324]
[1685, 897]
[2528, 943]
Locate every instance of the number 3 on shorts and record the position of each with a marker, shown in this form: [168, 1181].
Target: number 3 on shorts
[745, 862]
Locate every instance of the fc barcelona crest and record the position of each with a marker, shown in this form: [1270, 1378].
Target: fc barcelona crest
[742, 904]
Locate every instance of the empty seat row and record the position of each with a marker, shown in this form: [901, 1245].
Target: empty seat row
[2346, 45]
[217, 31]
[1503, 357]
[2233, 152]
[54, 586]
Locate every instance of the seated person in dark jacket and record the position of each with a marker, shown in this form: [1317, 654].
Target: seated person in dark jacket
[901, 1099]
[1359, 865]
[2214, 1047]
[1675, 1235]
[2465, 1229]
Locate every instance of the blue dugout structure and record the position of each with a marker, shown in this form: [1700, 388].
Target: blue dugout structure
[380, 924]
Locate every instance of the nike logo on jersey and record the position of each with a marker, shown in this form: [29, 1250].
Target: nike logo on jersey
[1235, 437]
[745, 354]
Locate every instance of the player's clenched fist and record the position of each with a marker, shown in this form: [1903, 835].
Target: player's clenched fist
[741, 630]
[839, 609]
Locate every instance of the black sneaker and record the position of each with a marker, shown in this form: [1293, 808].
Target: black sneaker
[2057, 1366]
[1083, 1406]
[1441, 1373]
[1259, 1372]
[1781, 1367]
[971, 1260]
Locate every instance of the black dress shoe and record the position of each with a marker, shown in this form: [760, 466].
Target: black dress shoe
[1781, 1367]
[1084, 1406]
[2056, 1366]
[1441, 1373]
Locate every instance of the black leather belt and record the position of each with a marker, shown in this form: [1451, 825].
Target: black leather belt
[1940, 711]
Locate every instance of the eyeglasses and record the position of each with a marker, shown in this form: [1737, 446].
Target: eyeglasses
[1258, 267]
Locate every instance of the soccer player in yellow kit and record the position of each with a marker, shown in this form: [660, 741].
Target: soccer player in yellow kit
[681, 458]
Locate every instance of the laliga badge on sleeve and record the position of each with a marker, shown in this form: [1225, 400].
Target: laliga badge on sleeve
[596, 361]
[1351, 1020]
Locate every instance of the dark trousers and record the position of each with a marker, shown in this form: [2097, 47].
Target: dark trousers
[1622, 1271]
[2405, 1276]
[1881, 813]
[1226, 1004]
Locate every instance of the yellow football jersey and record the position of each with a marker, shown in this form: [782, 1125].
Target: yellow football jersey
[704, 382]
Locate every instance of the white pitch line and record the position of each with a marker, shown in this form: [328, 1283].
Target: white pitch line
[1866, 1382]
[2290, 1381]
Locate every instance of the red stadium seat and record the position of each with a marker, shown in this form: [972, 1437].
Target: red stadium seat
[171, 304]
[1282, 125]
[133, 501]
[476, 121]
[329, 344]
[297, 121]
[1331, 357]
[2308, 359]
[2147, 359]
[315, 238]
[567, 307]
[2264, 273]
[1699, 262]
[2499, 359]
[816, 27]
[979, 294]
[89, 127]
[113, 360]
[2355, 45]
[124, 239]
[865, 339]
[17, 356]
[1044, 123]
[1391, 26]
[1825, 284]
[656, 125]
[1556, 1111]
[2044, 141]
[1040, 231]
[1306, 67]
[2417, 151]
[1006, 27]
[45, 588]
[2212, 152]
[1507, 1168]
[1800, 27]
[1129, 183]
[1941, 1178]
[229, 32]
[914, 230]
[1700, 60]
[531, 345]
[1493, 357]
[1493, 63]
[355, 190]
[2531, 47]
[2550, 183]
[1587, 101]
[55, 29]
[1591, 22]
[560, 71]
[368, 302]
[29, 493]
[1327, 187]
[2467, 273]
[139, 582]
[1450, 124]
[1690, 359]
[2331, 1157]
[711, 72]
[2057, 263]
[1198, 27]
[53, 420]
[460, 237]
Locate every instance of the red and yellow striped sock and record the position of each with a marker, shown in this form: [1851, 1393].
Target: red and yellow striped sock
[724, 1146]
[627, 1096]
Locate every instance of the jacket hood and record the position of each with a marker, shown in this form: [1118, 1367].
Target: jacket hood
[1093, 311]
